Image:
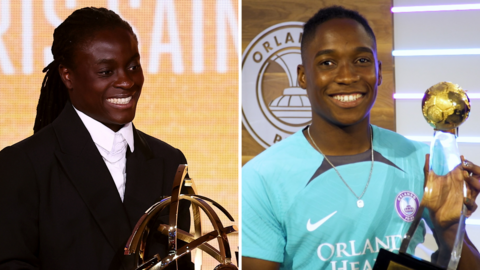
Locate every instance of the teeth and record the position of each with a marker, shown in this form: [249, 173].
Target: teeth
[121, 101]
[347, 98]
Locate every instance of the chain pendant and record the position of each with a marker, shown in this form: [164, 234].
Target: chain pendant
[360, 203]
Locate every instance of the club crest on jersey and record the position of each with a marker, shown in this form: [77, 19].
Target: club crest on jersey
[406, 204]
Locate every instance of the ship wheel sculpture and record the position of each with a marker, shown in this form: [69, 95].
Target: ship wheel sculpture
[136, 244]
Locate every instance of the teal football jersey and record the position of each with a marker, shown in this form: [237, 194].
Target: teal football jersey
[297, 211]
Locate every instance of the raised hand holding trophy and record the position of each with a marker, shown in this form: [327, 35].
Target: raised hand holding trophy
[445, 106]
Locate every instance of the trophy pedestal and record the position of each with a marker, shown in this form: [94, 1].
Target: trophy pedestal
[387, 260]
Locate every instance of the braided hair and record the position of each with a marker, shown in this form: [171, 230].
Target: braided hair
[77, 29]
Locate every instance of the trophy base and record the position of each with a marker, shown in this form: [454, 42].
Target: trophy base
[387, 260]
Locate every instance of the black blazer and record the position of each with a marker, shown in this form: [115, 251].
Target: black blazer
[59, 206]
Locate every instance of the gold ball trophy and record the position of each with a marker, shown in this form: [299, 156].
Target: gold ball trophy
[445, 106]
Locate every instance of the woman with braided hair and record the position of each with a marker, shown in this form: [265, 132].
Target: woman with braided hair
[71, 194]
[68, 37]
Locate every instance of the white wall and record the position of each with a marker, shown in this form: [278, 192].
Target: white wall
[415, 74]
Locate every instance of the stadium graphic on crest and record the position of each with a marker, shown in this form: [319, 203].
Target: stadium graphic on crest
[274, 106]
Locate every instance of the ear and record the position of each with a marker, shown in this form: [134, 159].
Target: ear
[302, 81]
[379, 76]
[65, 75]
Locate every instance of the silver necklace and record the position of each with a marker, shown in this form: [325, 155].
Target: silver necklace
[360, 202]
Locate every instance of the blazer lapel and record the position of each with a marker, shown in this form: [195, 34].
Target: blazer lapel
[86, 169]
[144, 179]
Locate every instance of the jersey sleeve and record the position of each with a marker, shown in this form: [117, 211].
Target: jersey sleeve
[262, 234]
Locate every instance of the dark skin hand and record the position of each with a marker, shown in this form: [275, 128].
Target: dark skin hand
[444, 199]
[470, 256]
[472, 178]
[341, 60]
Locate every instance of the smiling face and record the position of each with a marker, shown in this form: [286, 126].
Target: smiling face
[106, 80]
[341, 72]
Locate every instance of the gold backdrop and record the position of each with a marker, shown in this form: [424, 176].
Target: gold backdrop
[189, 56]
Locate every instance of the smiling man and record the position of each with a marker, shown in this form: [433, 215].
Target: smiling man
[324, 198]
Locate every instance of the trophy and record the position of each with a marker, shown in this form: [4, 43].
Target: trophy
[137, 243]
[445, 106]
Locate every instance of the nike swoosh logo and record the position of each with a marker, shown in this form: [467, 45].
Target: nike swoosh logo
[312, 227]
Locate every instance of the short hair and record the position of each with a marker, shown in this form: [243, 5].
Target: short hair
[329, 13]
[68, 37]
